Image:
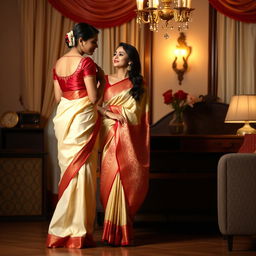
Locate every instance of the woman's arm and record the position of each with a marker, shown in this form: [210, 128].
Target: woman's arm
[57, 91]
[91, 87]
[95, 85]
[100, 77]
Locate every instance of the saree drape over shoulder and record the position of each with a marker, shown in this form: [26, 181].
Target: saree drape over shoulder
[125, 161]
[76, 127]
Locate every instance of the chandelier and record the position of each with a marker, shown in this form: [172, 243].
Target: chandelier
[178, 11]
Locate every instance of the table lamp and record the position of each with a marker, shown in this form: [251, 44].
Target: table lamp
[242, 109]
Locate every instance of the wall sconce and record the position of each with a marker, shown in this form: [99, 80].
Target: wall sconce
[183, 52]
[242, 109]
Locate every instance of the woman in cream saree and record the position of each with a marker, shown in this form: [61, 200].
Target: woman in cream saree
[125, 147]
[76, 127]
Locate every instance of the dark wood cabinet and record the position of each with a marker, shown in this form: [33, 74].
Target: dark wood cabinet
[183, 168]
[22, 175]
[183, 175]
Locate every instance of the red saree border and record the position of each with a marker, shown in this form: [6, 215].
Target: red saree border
[117, 235]
[70, 242]
[123, 167]
[114, 89]
[109, 178]
[78, 160]
[73, 95]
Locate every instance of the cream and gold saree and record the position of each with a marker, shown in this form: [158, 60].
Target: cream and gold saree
[125, 161]
[76, 127]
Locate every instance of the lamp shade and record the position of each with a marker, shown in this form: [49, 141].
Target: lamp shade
[242, 109]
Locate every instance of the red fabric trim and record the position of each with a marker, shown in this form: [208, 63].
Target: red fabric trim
[72, 95]
[70, 242]
[79, 160]
[101, 14]
[117, 235]
[109, 179]
[113, 89]
[241, 10]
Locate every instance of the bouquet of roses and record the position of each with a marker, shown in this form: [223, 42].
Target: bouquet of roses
[179, 101]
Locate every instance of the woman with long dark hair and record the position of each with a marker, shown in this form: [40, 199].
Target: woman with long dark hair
[125, 146]
[76, 125]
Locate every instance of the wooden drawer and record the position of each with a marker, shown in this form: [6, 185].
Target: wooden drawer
[211, 145]
[22, 139]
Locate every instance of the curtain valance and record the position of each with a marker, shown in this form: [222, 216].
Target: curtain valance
[100, 13]
[241, 10]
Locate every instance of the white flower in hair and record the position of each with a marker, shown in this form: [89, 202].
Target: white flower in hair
[70, 38]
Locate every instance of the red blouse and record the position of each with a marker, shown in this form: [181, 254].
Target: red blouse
[75, 81]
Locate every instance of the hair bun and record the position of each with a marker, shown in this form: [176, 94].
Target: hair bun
[70, 39]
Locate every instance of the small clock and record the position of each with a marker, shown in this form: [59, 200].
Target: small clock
[29, 119]
[9, 119]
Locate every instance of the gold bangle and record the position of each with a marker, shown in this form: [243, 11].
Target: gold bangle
[105, 111]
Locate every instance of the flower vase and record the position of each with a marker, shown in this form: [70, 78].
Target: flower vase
[177, 124]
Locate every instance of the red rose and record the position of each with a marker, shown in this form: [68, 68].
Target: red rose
[66, 38]
[168, 97]
[180, 95]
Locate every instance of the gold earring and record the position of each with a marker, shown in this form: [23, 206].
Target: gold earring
[129, 68]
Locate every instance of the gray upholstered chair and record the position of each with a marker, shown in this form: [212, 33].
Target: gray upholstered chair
[237, 195]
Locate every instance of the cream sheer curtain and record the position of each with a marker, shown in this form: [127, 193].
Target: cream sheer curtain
[43, 29]
[236, 43]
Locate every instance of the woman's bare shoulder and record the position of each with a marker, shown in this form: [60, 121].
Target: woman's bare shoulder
[67, 65]
[67, 58]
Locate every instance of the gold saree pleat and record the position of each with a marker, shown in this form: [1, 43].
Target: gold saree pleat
[116, 229]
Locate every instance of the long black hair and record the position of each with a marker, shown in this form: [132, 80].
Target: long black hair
[135, 71]
[83, 30]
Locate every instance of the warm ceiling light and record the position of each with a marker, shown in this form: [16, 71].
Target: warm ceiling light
[178, 11]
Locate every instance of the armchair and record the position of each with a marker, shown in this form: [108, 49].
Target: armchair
[237, 195]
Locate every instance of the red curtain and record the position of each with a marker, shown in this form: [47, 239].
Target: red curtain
[99, 13]
[241, 10]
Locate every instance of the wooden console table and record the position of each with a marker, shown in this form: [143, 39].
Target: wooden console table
[183, 174]
[22, 174]
[183, 168]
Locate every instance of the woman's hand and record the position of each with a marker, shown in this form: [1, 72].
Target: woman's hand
[114, 116]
